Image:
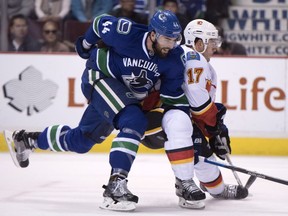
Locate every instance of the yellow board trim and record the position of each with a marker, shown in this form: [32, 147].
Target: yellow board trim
[240, 146]
[259, 146]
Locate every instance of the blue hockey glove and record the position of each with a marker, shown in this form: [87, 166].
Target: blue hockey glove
[81, 51]
[223, 147]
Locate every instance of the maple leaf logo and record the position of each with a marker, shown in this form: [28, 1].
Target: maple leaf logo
[30, 92]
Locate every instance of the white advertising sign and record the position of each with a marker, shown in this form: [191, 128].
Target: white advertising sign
[260, 3]
[30, 106]
[261, 27]
[255, 93]
[39, 90]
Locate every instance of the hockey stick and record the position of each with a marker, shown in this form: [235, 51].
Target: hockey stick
[229, 161]
[250, 181]
[242, 170]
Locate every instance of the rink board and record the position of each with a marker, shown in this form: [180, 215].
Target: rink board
[240, 146]
[253, 89]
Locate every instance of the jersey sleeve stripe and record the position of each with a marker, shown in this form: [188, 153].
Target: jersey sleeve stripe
[203, 108]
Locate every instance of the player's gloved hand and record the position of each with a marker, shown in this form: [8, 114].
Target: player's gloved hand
[218, 128]
[223, 147]
[81, 51]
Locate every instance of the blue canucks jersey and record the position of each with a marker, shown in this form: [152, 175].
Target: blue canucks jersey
[128, 60]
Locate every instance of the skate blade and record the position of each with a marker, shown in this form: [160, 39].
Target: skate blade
[191, 204]
[10, 143]
[112, 205]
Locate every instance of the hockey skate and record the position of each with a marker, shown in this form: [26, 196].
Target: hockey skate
[117, 197]
[20, 145]
[230, 192]
[190, 195]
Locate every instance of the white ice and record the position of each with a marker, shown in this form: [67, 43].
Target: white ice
[71, 185]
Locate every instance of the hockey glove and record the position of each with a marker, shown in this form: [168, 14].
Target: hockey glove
[221, 148]
[81, 51]
[217, 129]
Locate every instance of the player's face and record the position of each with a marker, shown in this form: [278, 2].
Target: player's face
[212, 46]
[164, 45]
[214, 43]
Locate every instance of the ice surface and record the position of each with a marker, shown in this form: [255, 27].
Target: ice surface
[71, 185]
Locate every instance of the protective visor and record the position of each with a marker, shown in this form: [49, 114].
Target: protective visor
[168, 41]
[214, 42]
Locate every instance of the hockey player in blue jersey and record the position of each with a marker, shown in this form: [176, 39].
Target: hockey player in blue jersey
[125, 63]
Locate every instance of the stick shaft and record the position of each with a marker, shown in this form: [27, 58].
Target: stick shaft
[233, 171]
[250, 181]
[229, 161]
[242, 170]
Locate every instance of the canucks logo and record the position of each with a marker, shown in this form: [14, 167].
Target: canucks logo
[141, 81]
[139, 85]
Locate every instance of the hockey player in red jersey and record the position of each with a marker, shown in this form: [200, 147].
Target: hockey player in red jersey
[201, 42]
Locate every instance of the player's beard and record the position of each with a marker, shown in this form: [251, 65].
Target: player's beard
[159, 50]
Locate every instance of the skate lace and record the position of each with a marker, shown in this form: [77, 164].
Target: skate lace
[121, 187]
[32, 139]
[189, 185]
[31, 143]
[230, 191]
[28, 139]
